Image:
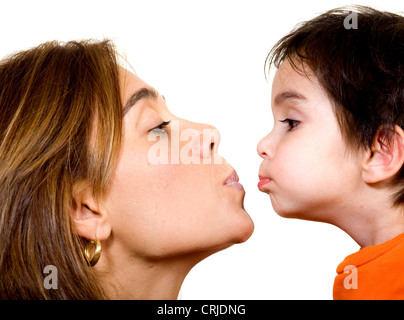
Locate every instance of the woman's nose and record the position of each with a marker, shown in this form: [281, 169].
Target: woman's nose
[265, 147]
[209, 141]
[205, 140]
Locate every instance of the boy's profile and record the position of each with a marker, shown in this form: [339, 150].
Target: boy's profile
[336, 151]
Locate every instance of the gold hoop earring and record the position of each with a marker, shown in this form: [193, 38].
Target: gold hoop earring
[97, 252]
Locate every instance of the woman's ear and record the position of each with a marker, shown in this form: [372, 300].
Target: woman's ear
[386, 156]
[90, 220]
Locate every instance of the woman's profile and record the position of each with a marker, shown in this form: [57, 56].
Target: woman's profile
[91, 185]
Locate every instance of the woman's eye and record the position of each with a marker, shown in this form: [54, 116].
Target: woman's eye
[160, 128]
[291, 123]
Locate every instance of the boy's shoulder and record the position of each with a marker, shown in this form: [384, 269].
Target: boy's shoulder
[375, 272]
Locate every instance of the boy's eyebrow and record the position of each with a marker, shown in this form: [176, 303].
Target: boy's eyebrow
[288, 95]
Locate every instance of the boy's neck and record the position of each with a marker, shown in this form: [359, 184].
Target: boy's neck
[372, 220]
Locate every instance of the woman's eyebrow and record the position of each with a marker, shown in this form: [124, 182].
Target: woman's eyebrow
[143, 93]
[288, 95]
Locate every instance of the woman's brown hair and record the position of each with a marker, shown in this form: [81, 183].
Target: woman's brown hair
[60, 125]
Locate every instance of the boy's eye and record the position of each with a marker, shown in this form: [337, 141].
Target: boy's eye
[160, 128]
[291, 123]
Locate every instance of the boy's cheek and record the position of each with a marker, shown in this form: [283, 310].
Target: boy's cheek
[304, 176]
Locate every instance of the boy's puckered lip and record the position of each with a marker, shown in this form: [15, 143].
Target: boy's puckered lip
[263, 181]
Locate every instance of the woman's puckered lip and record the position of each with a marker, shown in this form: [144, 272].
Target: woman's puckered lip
[232, 181]
[233, 177]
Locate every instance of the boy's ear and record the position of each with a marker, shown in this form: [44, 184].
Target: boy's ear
[90, 220]
[386, 156]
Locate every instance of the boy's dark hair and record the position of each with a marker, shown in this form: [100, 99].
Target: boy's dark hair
[357, 54]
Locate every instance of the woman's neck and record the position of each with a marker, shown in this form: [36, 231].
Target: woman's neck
[141, 279]
[136, 277]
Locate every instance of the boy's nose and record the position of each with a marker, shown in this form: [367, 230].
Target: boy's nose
[264, 148]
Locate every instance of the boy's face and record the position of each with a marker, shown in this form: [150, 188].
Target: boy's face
[306, 169]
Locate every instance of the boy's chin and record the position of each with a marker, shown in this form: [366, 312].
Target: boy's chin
[301, 214]
[283, 208]
[290, 214]
[291, 210]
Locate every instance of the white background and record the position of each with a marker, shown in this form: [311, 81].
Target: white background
[207, 58]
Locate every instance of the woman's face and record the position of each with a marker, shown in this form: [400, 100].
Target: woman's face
[168, 195]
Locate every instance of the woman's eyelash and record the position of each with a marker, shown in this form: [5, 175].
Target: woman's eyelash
[161, 126]
[291, 123]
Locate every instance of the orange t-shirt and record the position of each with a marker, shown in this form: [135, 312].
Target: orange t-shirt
[374, 272]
